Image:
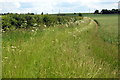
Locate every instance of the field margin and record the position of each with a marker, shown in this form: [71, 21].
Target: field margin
[0, 47]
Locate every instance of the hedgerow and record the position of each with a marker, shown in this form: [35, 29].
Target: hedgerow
[15, 21]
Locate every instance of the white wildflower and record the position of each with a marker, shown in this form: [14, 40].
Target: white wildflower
[5, 57]
[35, 24]
[25, 21]
[100, 68]
[53, 41]
[45, 26]
[74, 35]
[66, 25]
[64, 50]
[3, 31]
[34, 27]
[56, 40]
[15, 67]
[33, 30]
[82, 21]
[13, 47]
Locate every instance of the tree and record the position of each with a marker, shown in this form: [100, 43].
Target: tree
[74, 13]
[104, 11]
[79, 14]
[42, 13]
[96, 12]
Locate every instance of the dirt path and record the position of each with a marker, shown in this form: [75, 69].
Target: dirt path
[94, 23]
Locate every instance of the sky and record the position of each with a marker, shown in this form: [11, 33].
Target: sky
[56, 6]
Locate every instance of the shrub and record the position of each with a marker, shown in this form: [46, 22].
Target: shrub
[47, 20]
[79, 14]
[15, 21]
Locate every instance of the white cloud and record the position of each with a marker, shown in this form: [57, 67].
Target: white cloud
[8, 6]
[17, 0]
[17, 4]
[47, 6]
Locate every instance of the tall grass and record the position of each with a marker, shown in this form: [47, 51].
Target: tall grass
[108, 29]
[63, 51]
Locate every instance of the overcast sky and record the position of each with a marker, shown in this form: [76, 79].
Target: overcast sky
[54, 6]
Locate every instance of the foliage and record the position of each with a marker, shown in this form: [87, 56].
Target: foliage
[108, 26]
[27, 21]
[113, 11]
[55, 52]
[96, 12]
[105, 11]
[80, 14]
[42, 13]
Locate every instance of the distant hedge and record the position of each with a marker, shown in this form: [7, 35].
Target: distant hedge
[14, 21]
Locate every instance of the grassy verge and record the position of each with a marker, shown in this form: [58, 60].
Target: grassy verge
[74, 51]
[108, 29]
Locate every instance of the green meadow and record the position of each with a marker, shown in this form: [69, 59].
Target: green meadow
[82, 49]
[108, 26]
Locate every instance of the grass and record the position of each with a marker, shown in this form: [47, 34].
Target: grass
[108, 29]
[77, 51]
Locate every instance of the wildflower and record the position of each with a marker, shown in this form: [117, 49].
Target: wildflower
[31, 38]
[33, 31]
[75, 42]
[13, 47]
[56, 40]
[66, 25]
[3, 31]
[64, 50]
[35, 24]
[34, 27]
[25, 21]
[15, 67]
[82, 21]
[100, 68]
[114, 73]
[5, 57]
[45, 26]
[74, 35]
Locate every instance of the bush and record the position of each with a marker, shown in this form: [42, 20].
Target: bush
[79, 14]
[15, 21]
[30, 21]
[47, 20]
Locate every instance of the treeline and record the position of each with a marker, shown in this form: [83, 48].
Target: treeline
[105, 11]
[16, 13]
[71, 14]
[14, 21]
